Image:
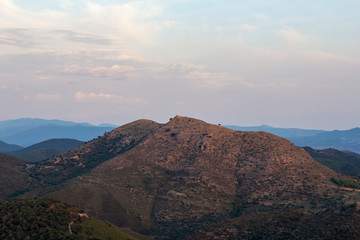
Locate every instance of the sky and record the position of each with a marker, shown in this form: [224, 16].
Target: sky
[282, 63]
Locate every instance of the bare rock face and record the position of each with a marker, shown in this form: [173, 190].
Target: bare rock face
[186, 175]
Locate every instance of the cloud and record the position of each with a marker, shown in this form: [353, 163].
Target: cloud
[8, 9]
[248, 27]
[80, 96]
[42, 97]
[184, 67]
[211, 80]
[292, 36]
[261, 16]
[114, 71]
[65, 3]
[328, 57]
[131, 21]
[52, 40]
[18, 37]
[77, 36]
[12, 16]
[123, 57]
[110, 24]
[8, 38]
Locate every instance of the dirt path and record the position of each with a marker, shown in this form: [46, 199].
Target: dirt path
[71, 223]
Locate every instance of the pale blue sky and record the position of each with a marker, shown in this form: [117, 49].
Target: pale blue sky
[282, 63]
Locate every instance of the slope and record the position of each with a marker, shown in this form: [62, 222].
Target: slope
[84, 158]
[14, 176]
[49, 219]
[347, 163]
[188, 174]
[341, 222]
[46, 149]
[4, 147]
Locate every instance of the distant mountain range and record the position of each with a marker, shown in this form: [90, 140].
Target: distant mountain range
[282, 132]
[341, 140]
[28, 131]
[318, 139]
[46, 149]
[4, 147]
[25, 132]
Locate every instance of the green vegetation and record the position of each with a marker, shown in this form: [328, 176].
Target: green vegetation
[34, 219]
[346, 163]
[96, 229]
[47, 149]
[348, 183]
[37, 155]
[69, 168]
[14, 176]
[340, 222]
[49, 219]
[86, 157]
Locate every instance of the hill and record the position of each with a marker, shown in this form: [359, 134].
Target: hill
[14, 176]
[342, 140]
[288, 133]
[11, 127]
[46, 149]
[4, 147]
[175, 179]
[341, 222]
[26, 132]
[49, 219]
[347, 163]
[86, 157]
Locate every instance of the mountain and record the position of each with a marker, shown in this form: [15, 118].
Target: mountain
[34, 122]
[49, 219]
[342, 140]
[288, 133]
[108, 125]
[46, 149]
[86, 157]
[14, 176]
[11, 127]
[172, 180]
[347, 163]
[27, 131]
[4, 147]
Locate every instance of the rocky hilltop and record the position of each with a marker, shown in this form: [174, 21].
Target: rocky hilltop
[170, 180]
[84, 158]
